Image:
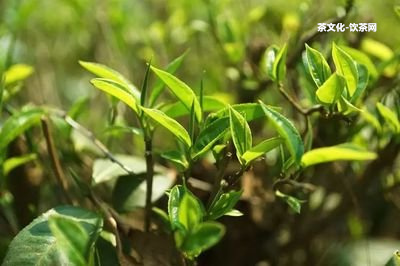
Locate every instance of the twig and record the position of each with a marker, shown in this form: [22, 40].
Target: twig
[288, 181]
[55, 160]
[219, 178]
[149, 183]
[92, 137]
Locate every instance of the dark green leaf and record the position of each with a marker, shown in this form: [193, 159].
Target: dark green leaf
[35, 245]
[394, 260]
[287, 131]
[224, 204]
[362, 82]
[17, 124]
[209, 136]
[73, 241]
[204, 236]
[143, 93]
[177, 158]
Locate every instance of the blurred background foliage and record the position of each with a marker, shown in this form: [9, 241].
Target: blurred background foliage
[224, 41]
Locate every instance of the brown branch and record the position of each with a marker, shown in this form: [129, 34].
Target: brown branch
[55, 160]
[149, 182]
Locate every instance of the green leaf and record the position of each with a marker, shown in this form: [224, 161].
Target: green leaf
[225, 203]
[234, 213]
[390, 117]
[143, 93]
[177, 158]
[394, 260]
[174, 201]
[184, 209]
[346, 107]
[397, 10]
[317, 66]
[105, 72]
[117, 90]
[35, 244]
[129, 192]
[14, 162]
[190, 211]
[361, 58]
[294, 203]
[204, 236]
[371, 119]
[182, 91]
[159, 86]
[177, 109]
[240, 132]
[18, 123]
[341, 152]
[209, 136]
[331, 90]
[346, 67]
[250, 111]
[170, 124]
[16, 73]
[261, 149]
[72, 239]
[287, 131]
[279, 67]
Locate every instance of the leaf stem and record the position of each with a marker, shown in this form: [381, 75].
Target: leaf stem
[149, 181]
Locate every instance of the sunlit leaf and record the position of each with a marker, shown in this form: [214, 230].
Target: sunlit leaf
[14, 162]
[390, 117]
[182, 91]
[287, 131]
[330, 91]
[177, 109]
[105, 72]
[341, 152]
[294, 203]
[261, 149]
[170, 124]
[317, 66]
[346, 67]
[240, 132]
[363, 59]
[17, 73]
[159, 86]
[117, 90]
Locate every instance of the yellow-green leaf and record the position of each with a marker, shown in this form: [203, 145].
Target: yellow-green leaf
[117, 90]
[17, 72]
[331, 90]
[389, 116]
[341, 152]
[346, 67]
[287, 131]
[240, 132]
[261, 149]
[170, 124]
[181, 90]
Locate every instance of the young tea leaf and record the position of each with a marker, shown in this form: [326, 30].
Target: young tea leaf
[17, 73]
[317, 66]
[105, 72]
[279, 67]
[117, 90]
[240, 132]
[182, 91]
[341, 152]
[261, 149]
[294, 203]
[389, 116]
[331, 90]
[170, 124]
[287, 131]
[225, 203]
[346, 67]
[204, 236]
